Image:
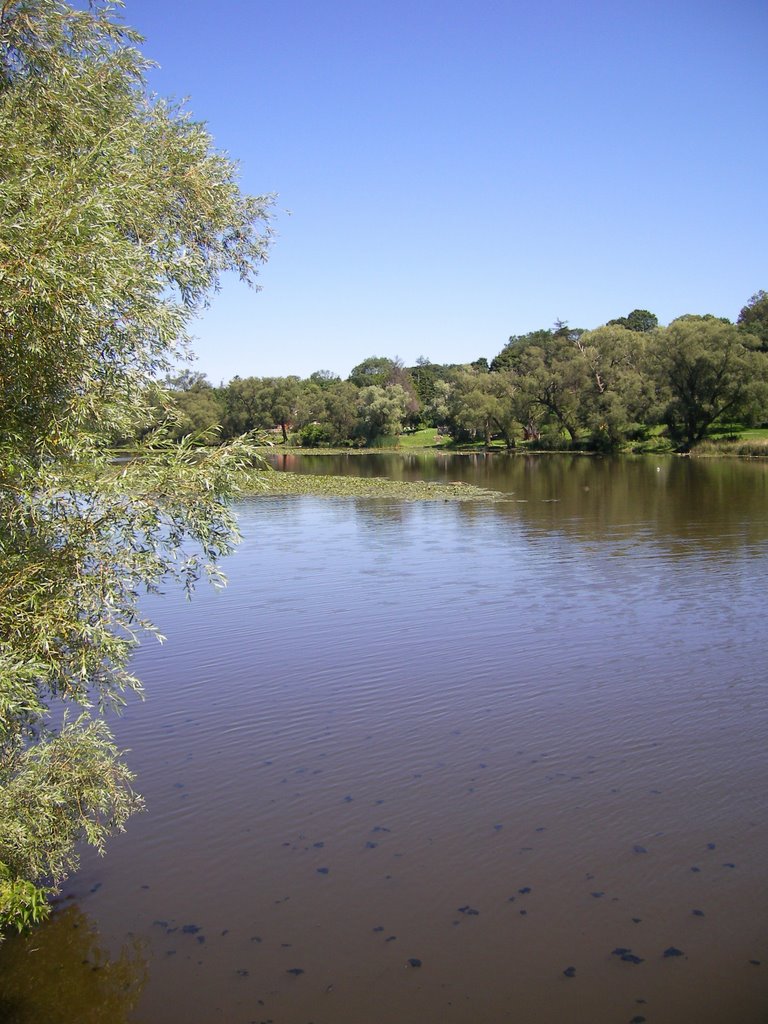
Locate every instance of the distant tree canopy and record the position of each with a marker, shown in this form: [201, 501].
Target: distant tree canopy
[596, 388]
[375, 370]
[640, 320]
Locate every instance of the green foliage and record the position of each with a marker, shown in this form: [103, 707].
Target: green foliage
[196, 411]
[315, 435]
[639, 320]
[600, 389]
[373, 371]
[707, 373]
[190, 405]
[323, 378]
[321, 410]
[430, 386]
[554, 376]
[22, 904]
[753, 321]
[54, 793]
[436, 409]
[117, 219]
[337, 409]
[619, 394]
[480, 404]
[516, 344]
[382, 411]
[255, 403]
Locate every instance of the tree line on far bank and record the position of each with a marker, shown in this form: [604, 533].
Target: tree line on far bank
[556, 387]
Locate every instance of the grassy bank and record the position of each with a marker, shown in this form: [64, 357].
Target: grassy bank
[728, 440]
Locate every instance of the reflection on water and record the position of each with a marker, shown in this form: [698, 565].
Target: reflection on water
[464, 763]
[718, 502]
[61, 974]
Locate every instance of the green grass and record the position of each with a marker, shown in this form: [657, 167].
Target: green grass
[425, 438]
[735, 431]
[734, 439]
[723, 439]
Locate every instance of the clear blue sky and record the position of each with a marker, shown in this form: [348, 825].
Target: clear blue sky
[450, 173]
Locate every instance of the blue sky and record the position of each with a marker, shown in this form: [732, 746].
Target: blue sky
[449, 173]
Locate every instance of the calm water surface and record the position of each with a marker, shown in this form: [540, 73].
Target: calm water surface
[436, 762]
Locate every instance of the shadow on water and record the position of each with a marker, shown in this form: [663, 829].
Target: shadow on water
[61, 974]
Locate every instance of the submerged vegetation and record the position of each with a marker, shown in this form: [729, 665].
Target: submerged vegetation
[322, 486]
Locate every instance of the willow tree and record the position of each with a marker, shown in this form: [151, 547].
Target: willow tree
[117, 220]
[708, 376]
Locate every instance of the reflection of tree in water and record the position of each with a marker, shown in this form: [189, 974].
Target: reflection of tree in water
[684, 504]
[59, 974]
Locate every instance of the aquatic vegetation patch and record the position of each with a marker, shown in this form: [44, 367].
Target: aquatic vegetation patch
[325, 486]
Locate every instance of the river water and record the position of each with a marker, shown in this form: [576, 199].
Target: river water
[442, 762]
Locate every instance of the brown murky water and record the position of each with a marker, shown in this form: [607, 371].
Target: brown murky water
[433, 763]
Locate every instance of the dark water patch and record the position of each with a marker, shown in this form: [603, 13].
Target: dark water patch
[626, 955]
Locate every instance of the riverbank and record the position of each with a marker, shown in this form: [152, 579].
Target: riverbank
[752, 444]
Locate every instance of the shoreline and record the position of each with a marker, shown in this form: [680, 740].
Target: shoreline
[512, 452]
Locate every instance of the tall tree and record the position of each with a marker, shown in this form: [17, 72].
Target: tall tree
[551, 375]
[260, 403]
[620, 393]
[382, 411]
[708, 374]
[281, 403]
[117, 219]
[331, 409]
[471, 406]
[485, 404]
[242, 401]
